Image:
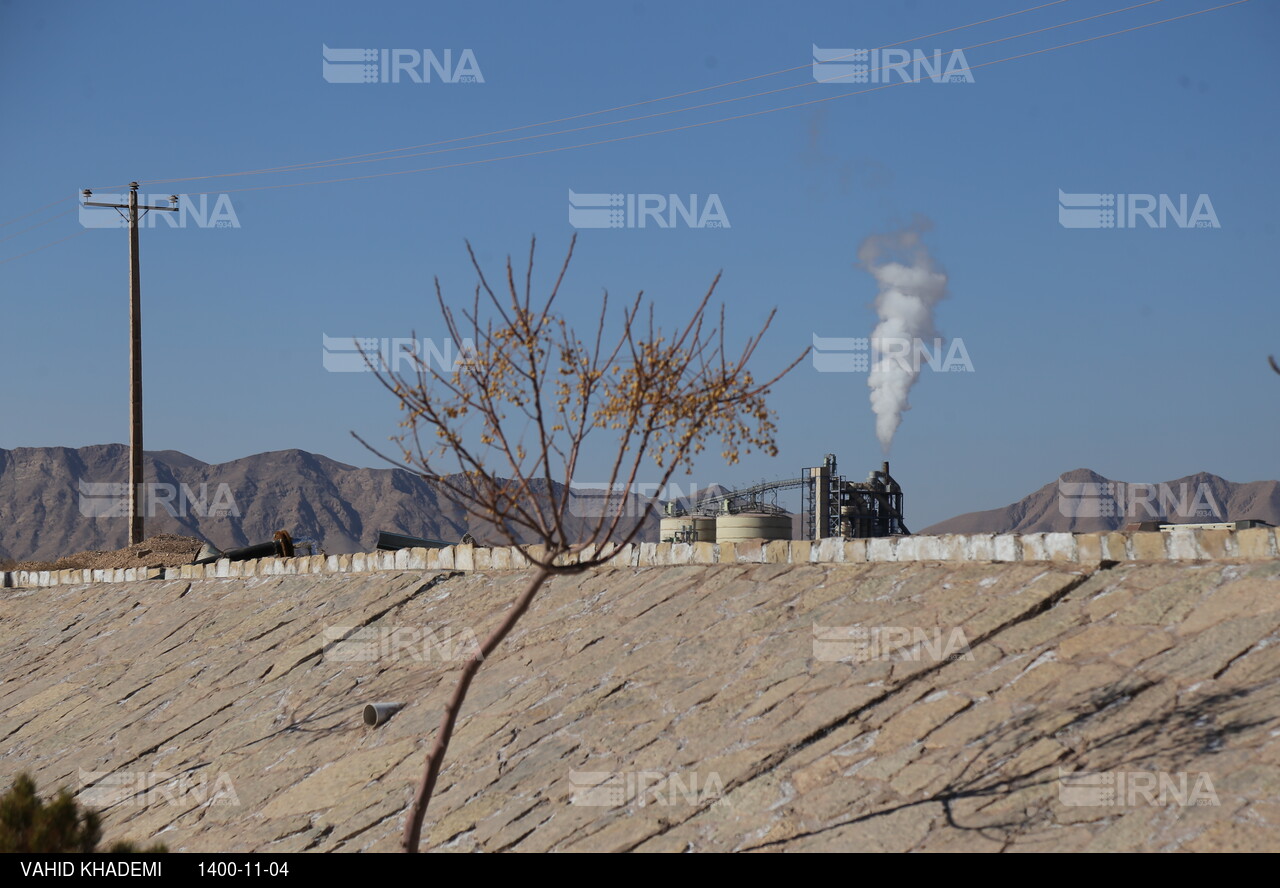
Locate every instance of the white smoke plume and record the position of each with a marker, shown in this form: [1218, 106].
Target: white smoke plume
[910, 285]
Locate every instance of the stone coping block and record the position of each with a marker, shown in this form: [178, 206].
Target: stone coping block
[1088, 549]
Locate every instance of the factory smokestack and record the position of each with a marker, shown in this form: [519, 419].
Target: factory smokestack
[910, 285]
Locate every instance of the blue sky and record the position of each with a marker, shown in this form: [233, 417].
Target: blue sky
[1139, 353]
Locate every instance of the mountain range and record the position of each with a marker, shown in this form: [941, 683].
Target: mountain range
[51, 499]
[1082, 501]
[55, 501]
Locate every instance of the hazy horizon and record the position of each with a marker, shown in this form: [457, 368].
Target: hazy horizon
[1139, 353]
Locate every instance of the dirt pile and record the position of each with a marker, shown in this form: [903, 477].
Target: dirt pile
[161, 550]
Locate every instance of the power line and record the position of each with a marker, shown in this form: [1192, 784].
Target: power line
[45, 246]
[717, 120]
[368, 159]
[296, 167]
[33, 212]
[37, 225]
[341, 161]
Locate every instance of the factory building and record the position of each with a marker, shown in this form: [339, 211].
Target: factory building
[831, 506]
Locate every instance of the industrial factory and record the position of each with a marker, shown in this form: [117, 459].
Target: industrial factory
[831, 506]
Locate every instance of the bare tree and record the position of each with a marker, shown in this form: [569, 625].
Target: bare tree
[502, 434]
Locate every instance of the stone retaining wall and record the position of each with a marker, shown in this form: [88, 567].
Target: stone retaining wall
[1256, 544]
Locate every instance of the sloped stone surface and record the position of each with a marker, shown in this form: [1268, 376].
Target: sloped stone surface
[695, 690]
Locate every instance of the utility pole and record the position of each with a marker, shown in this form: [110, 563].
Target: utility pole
[135, 351]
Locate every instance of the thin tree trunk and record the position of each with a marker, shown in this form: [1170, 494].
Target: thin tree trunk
[412, 837]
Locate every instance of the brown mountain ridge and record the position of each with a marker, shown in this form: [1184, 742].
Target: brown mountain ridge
[45, 512]
[1082, 501]
[43, 505]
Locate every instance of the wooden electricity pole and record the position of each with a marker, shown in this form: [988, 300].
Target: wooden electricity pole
[135, 352]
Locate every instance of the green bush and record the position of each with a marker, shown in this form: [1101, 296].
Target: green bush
[29, 824]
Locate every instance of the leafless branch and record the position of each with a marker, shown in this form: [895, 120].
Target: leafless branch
[502, 434]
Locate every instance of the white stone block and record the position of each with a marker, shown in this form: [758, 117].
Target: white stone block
[1008, 547]
[1182, 545]
[828, 551]
[500, 558]
[1060, 546]
[882, 549]
[464, 558]
[978, 546]
[910, 549]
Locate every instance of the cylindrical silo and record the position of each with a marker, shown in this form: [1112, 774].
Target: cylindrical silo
[752, 526]
[688, 529]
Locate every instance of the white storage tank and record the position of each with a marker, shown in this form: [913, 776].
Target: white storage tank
[752, 526]
[687, 529]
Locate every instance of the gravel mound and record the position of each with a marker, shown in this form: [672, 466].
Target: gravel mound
[161, 550]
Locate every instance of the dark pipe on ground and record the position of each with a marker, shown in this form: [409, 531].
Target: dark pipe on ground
[280, 547]
[395, 541]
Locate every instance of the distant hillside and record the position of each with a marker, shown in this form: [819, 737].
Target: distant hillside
[42, 513]
[1084, 501]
